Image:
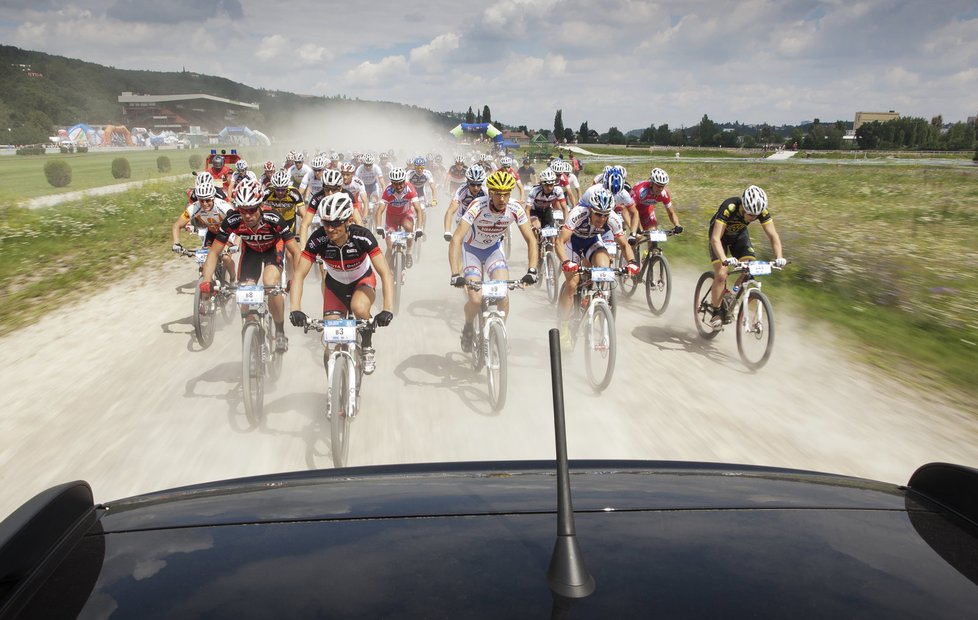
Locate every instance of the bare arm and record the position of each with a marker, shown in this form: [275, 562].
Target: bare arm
[386, 279]
[716, 236]
[772, 234]
[298, 281]
[455, 246]
[533, 251]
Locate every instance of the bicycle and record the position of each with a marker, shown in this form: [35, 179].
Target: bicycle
[655, 272]
[259, 358]
[754, 315]
[549, 265]
[206, 308]
[593, 314]
[489, 348]
[343, 359]
[398, 259]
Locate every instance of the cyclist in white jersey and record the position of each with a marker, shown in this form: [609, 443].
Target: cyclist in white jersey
[477, 245]
[318, 164]
[355, 186]
[474, 187]
[371, 175]
[301, 175]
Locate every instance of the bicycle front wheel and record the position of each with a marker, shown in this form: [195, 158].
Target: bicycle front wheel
[599, 349]
[398, 280]
[340, 411]
[223, 300]
[203, 319]
[658, 284]
[755, 330]
[627, 282]
[702, 305]
[496, 365]
[551, 273]
[252, 372]
[273, 356]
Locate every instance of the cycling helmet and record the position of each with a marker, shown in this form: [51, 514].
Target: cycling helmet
[475, 174]
[460, 159]
[335, 207]
[217, 161]
[332, 177]
[204, 177]
[560, 166]
[602, 201]
[319, 162]
[241, 165]
[204, 189]
[269, 166]
[501, 181]
[281, 179]
[548, 176]
[485, 157]
[506, 162]
[754, 200]
[368, 160]
[248, 193]
[613, 181]
[384, 156]
[621, 169]
[659, 176]
[437, 158]
[347, 168]
[398, 175]
[298, 158]
[420, 161]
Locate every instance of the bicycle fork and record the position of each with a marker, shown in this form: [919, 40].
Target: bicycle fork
[351, 381]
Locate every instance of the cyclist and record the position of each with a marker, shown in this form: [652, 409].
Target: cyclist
[568, 181]
[543, 199]
[399, 204]
[646, 194]
[371, 176]
[580, 242]
[728, 235]
[475, 186]
[353, 261]
[206, 214]
[284, 199]
[356, 188]
[455, 176]
[507, 164]
[301, 174]
[614, 182]
[266, 176]
[421, 179]
[332, 183]
[528, 173]
[438, 169]
[220, 172]
[265, 238]
[476, 245]
[201, 177]
[241, 172]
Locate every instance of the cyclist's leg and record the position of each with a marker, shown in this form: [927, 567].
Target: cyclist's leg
[473, 270]
[250, 268]
[498, 269]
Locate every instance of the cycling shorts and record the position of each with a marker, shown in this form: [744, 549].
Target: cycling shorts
[393, 220]
[545, 216]
[252, 263]
[481, 263]
[337, 295]
[579, 248]
[738, 247]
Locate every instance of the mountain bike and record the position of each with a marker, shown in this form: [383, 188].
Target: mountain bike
[746, 305]
[398, 243]
[549, 265]
[258, 355]
[592, 315]
[489, 348]
[655, 272]
[206, 308]
[343, 358]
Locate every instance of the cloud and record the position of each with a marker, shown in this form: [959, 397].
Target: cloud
[173, 11]
[372, 73]
[272, 47]
[276, 46]
[434, 53]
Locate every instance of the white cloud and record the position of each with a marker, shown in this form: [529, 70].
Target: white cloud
[272, 47]
[372, 73]
[436, 52]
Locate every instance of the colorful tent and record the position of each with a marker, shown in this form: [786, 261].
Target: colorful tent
[117, 135]
[482, 128]
[82, 134]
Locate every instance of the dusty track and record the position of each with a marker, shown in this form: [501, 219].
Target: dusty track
[115, 391]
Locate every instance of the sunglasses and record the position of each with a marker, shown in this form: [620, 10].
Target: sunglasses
[332, 188]
[248, 210]
[207, 200]
[333, 223]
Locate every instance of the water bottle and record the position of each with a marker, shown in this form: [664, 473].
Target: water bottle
[736, 289]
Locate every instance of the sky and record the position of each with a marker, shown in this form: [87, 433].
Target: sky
[605, 62]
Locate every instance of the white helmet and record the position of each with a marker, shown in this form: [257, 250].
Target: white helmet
[335, 207]
[204, 177]
[460, 159]
[332, 177]
[368, 160]
[298, 158]
[281, 179]
[754, 200]
[548, 176]
[319, 162]
[248, 193]
[204, 188]
[659, 176]
[506, 162]
[602, 201]
[241, 165]
[475, 174]
[398, 175]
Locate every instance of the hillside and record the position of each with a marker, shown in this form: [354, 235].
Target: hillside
[64, 91]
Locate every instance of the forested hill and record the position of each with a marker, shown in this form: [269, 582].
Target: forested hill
[63, 91]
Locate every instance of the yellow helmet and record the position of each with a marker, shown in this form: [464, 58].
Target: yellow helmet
[501, 181]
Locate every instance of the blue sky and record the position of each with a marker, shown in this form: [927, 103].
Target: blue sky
[611, 63]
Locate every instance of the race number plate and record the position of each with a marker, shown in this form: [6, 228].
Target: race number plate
[250, 295]
[602, 274]
[495, 289]
[548, 233]
[339, 331]
[657, 235]
[200, 256]
[759, 269]
[398, 237]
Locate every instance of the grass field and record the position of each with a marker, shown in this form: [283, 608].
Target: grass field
[885, 254]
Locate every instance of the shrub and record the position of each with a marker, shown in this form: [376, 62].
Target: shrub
[163, 163]
[65, 150]
[58, 173]
[81, 149]
[196, 161]
[120, 168]
[31, 150]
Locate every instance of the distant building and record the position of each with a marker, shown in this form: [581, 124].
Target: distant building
[869, 117]
[178, 113]
[516, 136]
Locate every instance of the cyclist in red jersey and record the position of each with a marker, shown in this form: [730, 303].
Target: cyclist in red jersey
[400, 207]
[646, 194]
[221, 172]
[265, 238]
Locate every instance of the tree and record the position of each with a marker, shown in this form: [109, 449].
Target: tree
[663, 136]
[648, 135]
[568, 134]
[486, 117]
[558, 124]
[583, 134]
[469, 116]
[614, 136]
[706, 132]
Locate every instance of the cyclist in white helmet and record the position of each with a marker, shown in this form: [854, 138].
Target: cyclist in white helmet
[730, 242]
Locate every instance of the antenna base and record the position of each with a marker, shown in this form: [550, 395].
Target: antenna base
[567, 575]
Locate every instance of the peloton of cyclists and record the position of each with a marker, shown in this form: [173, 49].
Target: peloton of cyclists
[205, 213]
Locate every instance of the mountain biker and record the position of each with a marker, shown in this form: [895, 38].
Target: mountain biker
[371, 175]
[268, 169]
[399, 204]
[543, 199]
[220, 172]
[241, 172]
[646, 194]
[353, 260]
[728, 235]
[202, 177]
[455, 176]
[528, 173]
[284, 199]
[206, 214]
[420, 179]
[265, 238]
[332, 181]
[301, 174]
[507, 164]
[475, 186]
[580, 242]
[476, 245]
[356, 188]
[568, 181]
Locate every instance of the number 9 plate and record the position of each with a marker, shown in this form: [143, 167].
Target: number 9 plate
[548, 232]
[759, 269]
[602, 274]
[339, 331]
[495, 289]
[250, 295]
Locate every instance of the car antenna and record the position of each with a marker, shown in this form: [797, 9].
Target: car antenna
[567, 576]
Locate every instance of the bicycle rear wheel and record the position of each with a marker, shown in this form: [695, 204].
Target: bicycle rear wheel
[702, 305]
[551, 273]
[252, 372]
[599, 347]
[203, 319]
[398, 276]
[626, 281]
[755, 330]
[496, 365]
[658, 284]
[340, 411]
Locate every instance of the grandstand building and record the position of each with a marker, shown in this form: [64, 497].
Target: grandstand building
[179, 113]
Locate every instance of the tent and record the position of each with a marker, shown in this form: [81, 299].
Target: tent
[82, 134]
[117, 135]
[243, 135]
[485, 129]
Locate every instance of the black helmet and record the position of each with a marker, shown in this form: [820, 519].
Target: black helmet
[217, 161]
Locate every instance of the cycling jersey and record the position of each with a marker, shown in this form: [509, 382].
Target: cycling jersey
[464, 196]
[732, 214]
[270, 230]
[456, 174]
[301, 176]
[420, 179]
[354, 188]
[315, 183]
[622, 198]
[399, 203]
[488, 226]
[207, 217]
[237, 177]
[579, 222]
[192, 195]
[536, 199]
[349, 262]
[645, 199]
[285, 206]
[527, 172]
[221, 176]
[370, 175]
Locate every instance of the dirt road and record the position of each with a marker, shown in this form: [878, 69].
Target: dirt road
[115, 391]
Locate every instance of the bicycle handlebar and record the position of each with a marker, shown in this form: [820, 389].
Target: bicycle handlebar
[511, 284]
[319, 324]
